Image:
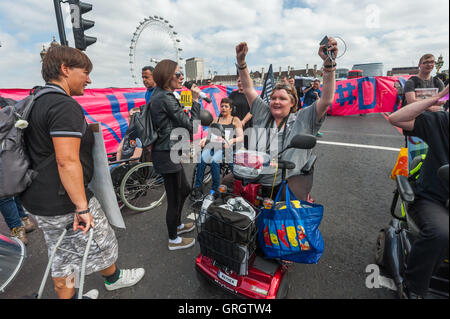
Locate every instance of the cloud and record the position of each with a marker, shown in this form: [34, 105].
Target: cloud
[284, 33]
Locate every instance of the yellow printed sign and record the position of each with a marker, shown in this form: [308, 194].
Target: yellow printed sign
[186, 98]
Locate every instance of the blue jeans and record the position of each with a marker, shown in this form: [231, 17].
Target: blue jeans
[213, 159]
[12, 212]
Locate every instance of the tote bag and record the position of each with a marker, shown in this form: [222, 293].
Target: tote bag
[290, 230]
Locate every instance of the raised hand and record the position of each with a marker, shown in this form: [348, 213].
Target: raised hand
[241, 53]
[331, 47]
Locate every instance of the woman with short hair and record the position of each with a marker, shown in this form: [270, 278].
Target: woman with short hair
[59, 136]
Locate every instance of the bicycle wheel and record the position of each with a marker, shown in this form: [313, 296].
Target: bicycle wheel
[141, 188]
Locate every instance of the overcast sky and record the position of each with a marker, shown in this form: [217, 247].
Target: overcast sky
[284, 33]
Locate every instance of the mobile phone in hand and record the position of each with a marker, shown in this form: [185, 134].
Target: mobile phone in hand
[325, 51]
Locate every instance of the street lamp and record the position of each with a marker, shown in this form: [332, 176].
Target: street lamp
[44, 51]
[54, 43]
[439, 63]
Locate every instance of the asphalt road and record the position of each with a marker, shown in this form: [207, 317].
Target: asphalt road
[351, 182]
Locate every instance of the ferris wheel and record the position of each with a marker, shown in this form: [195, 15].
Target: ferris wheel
[158, 42]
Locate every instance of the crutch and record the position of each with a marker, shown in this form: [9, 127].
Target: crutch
[83, 264]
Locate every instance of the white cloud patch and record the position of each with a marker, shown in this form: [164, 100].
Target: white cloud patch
[399, 33]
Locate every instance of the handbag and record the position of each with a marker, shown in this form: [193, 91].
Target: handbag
[142, 127]
[290, 229]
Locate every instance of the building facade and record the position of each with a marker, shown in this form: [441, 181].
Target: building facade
[342, 73]
[195, 69]
[413, 70]
[370, 69]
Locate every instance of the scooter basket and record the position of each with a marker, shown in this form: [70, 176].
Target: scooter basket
[225, 253]
[229, 236]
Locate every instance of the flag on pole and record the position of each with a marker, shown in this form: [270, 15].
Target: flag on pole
[269, 83]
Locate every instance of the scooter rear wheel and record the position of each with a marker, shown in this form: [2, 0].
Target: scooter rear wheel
[283, 289]
[379, 248]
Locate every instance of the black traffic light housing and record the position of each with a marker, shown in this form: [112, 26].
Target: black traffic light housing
[79, 25]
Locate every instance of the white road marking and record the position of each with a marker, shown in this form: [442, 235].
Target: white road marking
[361, 146]
[192, 216]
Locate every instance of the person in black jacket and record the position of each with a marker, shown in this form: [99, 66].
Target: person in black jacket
[167, 114]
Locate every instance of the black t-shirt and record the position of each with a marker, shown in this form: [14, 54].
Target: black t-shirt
[241, 107]
[55, 115]
[417, 83]
[432, 127]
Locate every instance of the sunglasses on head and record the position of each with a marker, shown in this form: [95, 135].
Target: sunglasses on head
[283, 86]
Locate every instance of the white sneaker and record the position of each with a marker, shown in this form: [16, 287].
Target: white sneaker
[91, 294]
[128, 278]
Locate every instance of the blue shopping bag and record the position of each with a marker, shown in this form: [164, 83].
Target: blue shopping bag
[290, 229]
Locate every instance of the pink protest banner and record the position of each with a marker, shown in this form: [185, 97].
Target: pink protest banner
[367, 95]
[110, 107]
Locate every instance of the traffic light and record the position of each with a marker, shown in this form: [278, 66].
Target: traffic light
[79, 25]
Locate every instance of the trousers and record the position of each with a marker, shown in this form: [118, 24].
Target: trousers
[177, 189]
[430, 247]
[12, 212]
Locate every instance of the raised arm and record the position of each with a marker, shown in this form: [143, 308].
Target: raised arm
[329, 78]
[406, 116]
[247, 83]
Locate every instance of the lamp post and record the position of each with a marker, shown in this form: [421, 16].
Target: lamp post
[439, 63]
[44, 51]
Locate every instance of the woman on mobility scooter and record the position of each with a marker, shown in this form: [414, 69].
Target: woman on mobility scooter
[212, 145]
[265, 278]
[282, 117]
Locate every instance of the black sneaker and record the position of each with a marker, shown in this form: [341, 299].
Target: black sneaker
[406, 293]
[196, 194]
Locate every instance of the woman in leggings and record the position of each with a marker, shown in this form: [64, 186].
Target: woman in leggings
[167, 114]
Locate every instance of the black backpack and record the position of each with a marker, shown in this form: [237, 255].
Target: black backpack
[141, 126]
[15, 172]
[416, 79]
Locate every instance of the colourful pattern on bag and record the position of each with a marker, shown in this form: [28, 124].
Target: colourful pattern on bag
[289, 230]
